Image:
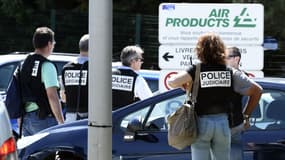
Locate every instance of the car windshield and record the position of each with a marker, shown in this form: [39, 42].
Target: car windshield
[6, 72]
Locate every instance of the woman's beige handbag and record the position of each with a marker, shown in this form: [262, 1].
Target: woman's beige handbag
[182, 124]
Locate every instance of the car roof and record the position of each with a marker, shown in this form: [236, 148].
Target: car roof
[271, 80]
[271, 83]
[56, 56]
[148, 74]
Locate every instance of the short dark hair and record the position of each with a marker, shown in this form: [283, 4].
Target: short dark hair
[42, 36]
[83, 43]
[234, 51]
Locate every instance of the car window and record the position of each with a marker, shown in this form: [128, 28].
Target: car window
[6, 72]
[153, 84]
[157, 118]
[160, 112]
[135, 116]
[270, 110]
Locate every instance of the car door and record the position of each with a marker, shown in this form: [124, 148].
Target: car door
[267, 120]
[6, 72]
[144, 133]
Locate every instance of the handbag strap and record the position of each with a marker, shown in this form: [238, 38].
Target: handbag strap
[193, 97]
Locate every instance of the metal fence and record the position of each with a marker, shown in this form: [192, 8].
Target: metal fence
[128, 29]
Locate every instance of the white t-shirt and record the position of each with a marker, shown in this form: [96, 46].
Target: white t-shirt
[142, 89]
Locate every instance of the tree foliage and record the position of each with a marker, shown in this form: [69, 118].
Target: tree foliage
[274, 24]
[23, 10]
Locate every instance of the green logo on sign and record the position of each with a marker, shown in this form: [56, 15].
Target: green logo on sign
[243, 20]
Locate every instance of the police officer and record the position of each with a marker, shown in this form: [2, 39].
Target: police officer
[216, 85]
[238, 122]
[127, 85]
[39, 85]
[75, 84]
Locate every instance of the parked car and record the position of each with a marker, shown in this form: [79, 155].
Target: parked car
[8, 150]
[9, 62]
[140, 129]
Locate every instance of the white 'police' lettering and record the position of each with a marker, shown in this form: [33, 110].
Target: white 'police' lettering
[120, 82]
[71, 77]
[35, 68]
[215, 79]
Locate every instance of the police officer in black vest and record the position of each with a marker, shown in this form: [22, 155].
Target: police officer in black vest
[75, 84]
[127, 85]
[238, 121]
[217, 83]
[39, 85]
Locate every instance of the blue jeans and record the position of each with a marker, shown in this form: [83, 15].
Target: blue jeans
[236, 144]
[32, 124]
[214, 138]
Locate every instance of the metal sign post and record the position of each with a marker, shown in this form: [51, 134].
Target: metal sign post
[100, 103]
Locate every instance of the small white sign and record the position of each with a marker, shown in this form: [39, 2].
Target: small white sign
[176, 56]
[215, 79]
[183, 23]
[71, 77]
[182, 56]
[123, 83]
[165, 75]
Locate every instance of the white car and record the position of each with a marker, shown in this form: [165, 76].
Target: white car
[9, 62]
[8, 149]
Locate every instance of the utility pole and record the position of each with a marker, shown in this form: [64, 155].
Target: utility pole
[100, 101]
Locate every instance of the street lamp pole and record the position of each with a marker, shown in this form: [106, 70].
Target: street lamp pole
[100, 101]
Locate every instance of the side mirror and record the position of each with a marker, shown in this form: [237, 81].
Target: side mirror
[133, 133]
[134, 125]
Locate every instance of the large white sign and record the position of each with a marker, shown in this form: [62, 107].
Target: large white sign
[182, 56]
[183, 23]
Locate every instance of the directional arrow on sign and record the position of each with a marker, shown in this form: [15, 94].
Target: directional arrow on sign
[166, 56]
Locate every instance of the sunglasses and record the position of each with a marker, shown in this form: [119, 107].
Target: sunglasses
[139, 59]
[231, 56]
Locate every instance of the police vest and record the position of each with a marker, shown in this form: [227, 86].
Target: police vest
[33, 89]
[74, 93]
[214, 89]
[123, 85]
[235, 111]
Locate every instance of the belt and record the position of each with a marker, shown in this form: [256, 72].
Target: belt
[212, 109]
[37, 112]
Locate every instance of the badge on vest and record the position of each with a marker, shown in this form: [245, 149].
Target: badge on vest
[215, 79]
[124, 83]
[35, 68]
[71, 77]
